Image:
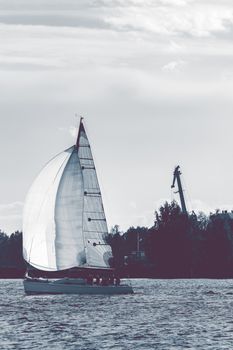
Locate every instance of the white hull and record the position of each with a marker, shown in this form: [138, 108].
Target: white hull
[66, 286]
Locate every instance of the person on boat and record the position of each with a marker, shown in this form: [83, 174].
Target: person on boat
[89, 279]
[97, 280]
[105, 281]
[117, 281]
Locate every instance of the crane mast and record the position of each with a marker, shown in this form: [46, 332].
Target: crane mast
[177, 178]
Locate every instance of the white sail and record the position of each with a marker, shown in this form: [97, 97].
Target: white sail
[94, 220]
[64, 222]
[69, 240]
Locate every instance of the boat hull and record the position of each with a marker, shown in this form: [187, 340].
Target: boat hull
[59, 287]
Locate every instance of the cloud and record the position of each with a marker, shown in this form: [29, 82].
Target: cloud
[71, 130]
[173, 66]
[145, 218]
[106, 57]
[175, 2]
[197, 20]
[197, 206]
[11, 217]
[200, 206]
[11, 208]
[64, 48]
[167, 17]
[123, 34]
[174, 47]
[54, 19]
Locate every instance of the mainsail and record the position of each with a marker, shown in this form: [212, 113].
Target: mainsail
[64, 223]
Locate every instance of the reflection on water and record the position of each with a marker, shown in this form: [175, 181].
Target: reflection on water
[162, 314]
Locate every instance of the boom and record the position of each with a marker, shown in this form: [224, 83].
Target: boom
[176, 177]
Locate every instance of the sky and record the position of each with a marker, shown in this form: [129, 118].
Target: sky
[153, 80]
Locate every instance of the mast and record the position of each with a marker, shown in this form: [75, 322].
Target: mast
[81, 128]
[177, 178]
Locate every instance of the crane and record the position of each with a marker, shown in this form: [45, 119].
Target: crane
[176, 177]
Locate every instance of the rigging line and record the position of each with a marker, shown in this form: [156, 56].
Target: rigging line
[188, 195]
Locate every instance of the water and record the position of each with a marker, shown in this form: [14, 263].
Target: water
[162, 315]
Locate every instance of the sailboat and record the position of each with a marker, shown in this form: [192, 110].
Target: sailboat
[64, 227]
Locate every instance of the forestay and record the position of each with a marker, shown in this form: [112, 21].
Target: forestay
[64, 224]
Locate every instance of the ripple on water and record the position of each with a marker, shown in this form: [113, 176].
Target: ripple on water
[162, 314]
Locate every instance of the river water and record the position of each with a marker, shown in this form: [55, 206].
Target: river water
[162, 314]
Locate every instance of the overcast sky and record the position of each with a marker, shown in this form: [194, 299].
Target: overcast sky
[154, 81]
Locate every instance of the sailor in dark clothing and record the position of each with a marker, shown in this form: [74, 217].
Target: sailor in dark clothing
[105, 281]
[89, 279]
[117, 281]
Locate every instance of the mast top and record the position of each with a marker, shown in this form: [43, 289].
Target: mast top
[81, 117]
[81, 128]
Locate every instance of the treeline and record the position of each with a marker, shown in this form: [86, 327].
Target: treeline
[11, 258]
[176, 246]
